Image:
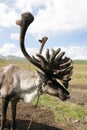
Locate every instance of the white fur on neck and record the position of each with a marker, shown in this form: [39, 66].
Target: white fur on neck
[27, 88]
[28, 97]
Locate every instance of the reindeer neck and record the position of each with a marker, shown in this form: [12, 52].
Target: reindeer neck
[30, 85]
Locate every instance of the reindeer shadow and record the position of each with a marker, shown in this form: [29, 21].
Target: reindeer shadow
[24, 124]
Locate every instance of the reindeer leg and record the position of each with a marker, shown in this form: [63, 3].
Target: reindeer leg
[13, 108]
[4, 110]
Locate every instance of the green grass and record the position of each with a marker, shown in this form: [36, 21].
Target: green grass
[79, 73]
[66, 113]
[64, 110]
[25, 65]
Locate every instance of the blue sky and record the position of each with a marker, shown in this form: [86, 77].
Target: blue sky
[63, 21]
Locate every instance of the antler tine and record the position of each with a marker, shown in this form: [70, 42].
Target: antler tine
[66, 63]
[60, 55]
[67, 78]
[50, 58]
[43, 41]
[54, 54]
[47, 55]
[64, 73]
[41, 59]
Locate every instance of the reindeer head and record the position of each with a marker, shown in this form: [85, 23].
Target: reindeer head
[53, 65]
[53, 87]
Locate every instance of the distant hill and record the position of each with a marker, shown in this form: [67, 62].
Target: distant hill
[12, 58]
[17, 58]
[80, 61]
[2, 57]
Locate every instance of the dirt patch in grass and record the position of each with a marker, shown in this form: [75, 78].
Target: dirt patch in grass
[79, 94]
[44, 118]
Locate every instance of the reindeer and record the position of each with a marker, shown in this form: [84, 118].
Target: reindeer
[17, 83]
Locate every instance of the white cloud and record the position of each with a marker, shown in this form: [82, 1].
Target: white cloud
[11, 49]
[75, 52]
[51, 15]
[8, 16]
[24, 5]
[8, 49]
[61, 15]
[28, 5]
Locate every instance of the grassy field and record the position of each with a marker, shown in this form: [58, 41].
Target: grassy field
[66, 113]
[79, 72]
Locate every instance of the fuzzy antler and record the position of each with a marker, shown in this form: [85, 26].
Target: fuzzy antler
[53, 65]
